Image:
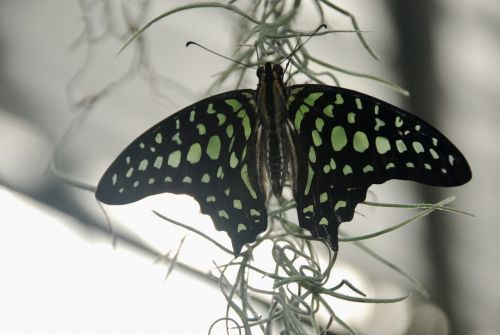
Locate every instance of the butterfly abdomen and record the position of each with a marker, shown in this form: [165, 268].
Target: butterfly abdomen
[277, 159]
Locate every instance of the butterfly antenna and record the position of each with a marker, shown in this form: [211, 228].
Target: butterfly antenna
[300, 45]
[218, 54]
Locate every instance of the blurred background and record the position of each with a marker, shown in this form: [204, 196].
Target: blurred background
[66, 97]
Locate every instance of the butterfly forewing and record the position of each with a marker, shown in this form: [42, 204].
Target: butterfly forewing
[201, 151]
[352, 140]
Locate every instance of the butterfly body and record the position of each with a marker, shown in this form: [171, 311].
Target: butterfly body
[273, 132]
[329, 143]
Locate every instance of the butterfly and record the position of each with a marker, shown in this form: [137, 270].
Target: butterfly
[329, 144]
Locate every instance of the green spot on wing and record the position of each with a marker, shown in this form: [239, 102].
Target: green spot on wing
[418, 147]
[174, 158]
[323, 221]
[368, 168]
[298, 120]
[360, 141]
[398, 122]
[206, 178]
[235, 104]
[308, 209]
[242, 114]
[434, 154]
[451, 159]
[310, 174]
[143, 165]
[340, 204]
[359, 105]
[333, 165]
[379, 124]
[246, 126]
[176, 138]
[213, 147]
[351, 117]
[210, 109]
[382, 144]
[230, 131]
[338, 138]
[246, 181]
[347, 169]
[304, 109]
[222, 118]
[220, 173]
[401, 146]
[202, 130]
[311, 98]
[237, 204]
[254, 212]
[243, 155]
[194, 153]
[312, 154]
[223, 214]
[158, 162]
[319, 124]
[328, 111]
[339, 100]
[316, 137]
[233, 161]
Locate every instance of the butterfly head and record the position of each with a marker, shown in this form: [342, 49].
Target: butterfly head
[270, 72]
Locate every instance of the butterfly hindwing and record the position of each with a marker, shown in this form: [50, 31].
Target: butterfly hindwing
[201, 151]
[321, 208]
[349, 141]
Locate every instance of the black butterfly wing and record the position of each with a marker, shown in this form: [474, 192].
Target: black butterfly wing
[349, 141]
[201, 151]
[321, 207]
